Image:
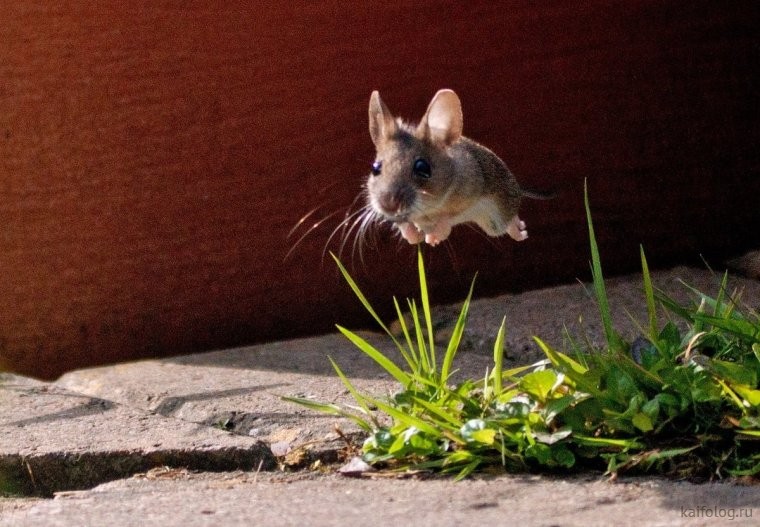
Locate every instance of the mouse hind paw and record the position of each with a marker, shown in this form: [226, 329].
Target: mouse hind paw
[517, 229]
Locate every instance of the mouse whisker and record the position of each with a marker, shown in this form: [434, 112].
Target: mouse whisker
[345, 226]
[365, 232]
[303, 220]
[354, 229]
[310, 230]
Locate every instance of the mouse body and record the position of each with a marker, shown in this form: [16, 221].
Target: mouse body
[428, 177]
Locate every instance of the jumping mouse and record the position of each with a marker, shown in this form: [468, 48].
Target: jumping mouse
[428, 178]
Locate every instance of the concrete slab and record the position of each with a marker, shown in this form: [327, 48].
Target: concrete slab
[223, 411]
[182, 498]
[240, 389]
[56, 439]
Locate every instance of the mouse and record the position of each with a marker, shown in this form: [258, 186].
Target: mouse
[427, 178]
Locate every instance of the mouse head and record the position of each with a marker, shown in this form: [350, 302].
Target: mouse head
[413, 169]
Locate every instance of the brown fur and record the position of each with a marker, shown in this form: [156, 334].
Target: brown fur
[468, 182]
[748, 264]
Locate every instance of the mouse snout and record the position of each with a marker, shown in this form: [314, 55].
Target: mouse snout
[395, 201]
[389, 202]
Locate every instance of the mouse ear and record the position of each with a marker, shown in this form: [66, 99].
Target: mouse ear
[381, 122]
[442, 121]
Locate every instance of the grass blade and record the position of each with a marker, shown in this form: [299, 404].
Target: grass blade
[406, 419]
[451, 422]
[412, 358]
[574, 371]
[607, 442]
[350, 387]
[425, 361]
[649, 296]
[613, 341]
[426, 307]
[721, 293]
[330, 409]
[376, 355]
[498, 358]
[355, 288]
[456, 336]
[741, 328]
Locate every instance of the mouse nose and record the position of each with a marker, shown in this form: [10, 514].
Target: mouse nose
[394, 200]
[390, 202]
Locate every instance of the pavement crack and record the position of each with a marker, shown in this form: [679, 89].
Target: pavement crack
[44, 475]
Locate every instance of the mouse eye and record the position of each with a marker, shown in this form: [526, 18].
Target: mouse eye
[421, 169]
[377, 167]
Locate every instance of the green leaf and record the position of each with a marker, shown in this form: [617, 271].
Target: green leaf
[651, 408]
[485, 436]
[539, 384]
[649, 458]
[670, 333]
[750, 395]
[551, 438]
[749, 421]
[399, 447]
[459, 456]
[540, 452]
[643, 422]
[621, 384]
[563, 457]
[381, 440]
[733, 372]
[422, 445]
[477, 430]
[555, 407]
[670, 403]
[717, 309]
[584, 379]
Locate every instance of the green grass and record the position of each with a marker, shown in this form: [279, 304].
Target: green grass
[675, 401]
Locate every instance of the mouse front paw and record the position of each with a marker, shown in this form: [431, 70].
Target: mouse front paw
[411, 233]
[438, 233]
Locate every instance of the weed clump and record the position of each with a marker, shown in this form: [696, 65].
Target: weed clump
[685, 403]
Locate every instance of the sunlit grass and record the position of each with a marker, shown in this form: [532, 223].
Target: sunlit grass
[680, 402]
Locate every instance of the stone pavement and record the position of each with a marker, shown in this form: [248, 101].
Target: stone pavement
[206, 439]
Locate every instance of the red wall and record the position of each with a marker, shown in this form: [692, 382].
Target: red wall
[153, 160]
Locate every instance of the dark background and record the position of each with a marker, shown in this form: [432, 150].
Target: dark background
[154, 159]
